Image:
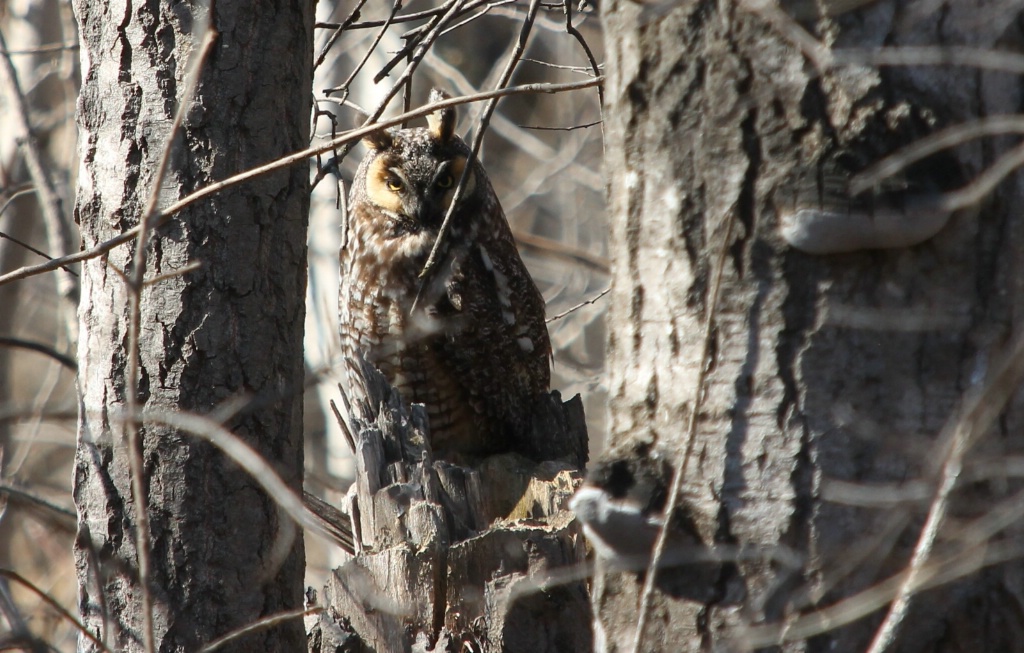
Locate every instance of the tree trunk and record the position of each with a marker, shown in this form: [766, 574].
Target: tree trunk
[231, 329]
[826, 373]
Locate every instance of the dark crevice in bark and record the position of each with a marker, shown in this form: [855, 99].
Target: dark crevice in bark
[797, 534]
[651, 398]
[746, 203]
[799, 316]
[124, 72]
[694, 237]
[635, 312]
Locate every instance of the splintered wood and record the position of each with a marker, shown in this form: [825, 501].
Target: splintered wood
[452, 557]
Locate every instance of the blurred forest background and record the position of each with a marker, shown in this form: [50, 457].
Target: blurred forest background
[543, 154]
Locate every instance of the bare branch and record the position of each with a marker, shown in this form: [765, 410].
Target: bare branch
[511, 132]
[245, 457]
[563, 129]
[191, 267]
[43, 49]
[984, 183]
[366, 54]
[848, 610]
[981, 411]
[980, 58]
[35, 251]
[338, 29]
[580, 305]
[256, 626]
[46, 598]
[57, 224]
[40, 347]
[940, 140]
[573, 254]
[416, 48]
[575, 33]
[478, 139]
[161, 217]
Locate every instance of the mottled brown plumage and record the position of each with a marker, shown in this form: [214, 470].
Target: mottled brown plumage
[475, 351]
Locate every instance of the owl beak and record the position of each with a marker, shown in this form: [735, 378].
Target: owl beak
[424, 212]
[412, 213]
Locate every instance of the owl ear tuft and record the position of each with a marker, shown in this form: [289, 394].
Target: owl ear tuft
[441, 123]
[379, 140]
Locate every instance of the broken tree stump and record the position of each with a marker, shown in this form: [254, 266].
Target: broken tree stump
[448, 557]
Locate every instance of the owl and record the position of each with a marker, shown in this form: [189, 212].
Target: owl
[469, 339]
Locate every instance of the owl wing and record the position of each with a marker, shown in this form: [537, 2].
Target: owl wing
[499, 352]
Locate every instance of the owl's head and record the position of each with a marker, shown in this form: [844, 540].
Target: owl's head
[410, 175]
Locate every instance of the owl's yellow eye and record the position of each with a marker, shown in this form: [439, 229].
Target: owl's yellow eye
[445, 182]
[394, 185]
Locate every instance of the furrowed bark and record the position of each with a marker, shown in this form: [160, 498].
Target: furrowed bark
[231, 329]
[841, 367]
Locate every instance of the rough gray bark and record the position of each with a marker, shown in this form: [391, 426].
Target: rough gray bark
[450, 557]
[823, 368]
[230, 329]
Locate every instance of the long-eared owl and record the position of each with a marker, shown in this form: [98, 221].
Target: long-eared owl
[469, 340]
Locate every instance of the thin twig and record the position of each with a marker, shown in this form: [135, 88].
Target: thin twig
[486, 10]
[548, 64]
[514, 13]
[58, 229]
[466, 7]
[28, 498]
[338, 29]
[980, 58]
[825, 58]
[407, 91]
[940, 571]
[932, 143]
[406, 18]
[41, 348]
[478, 140]
[186, 269]
[418, 47]
[586, 302]
[20, 635]
[521, 138]
[44, 49]
[46, 598]
[422, 47]
[366, 55]
[37, 252]
[351, 136]
[984, 183]
[12, 194]
[691, 435]
[594, 68]
[561, 250]
[562, 129]
[816, 51]
[982, 410]
[261, 624]
[245, 457]
[452, 9]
